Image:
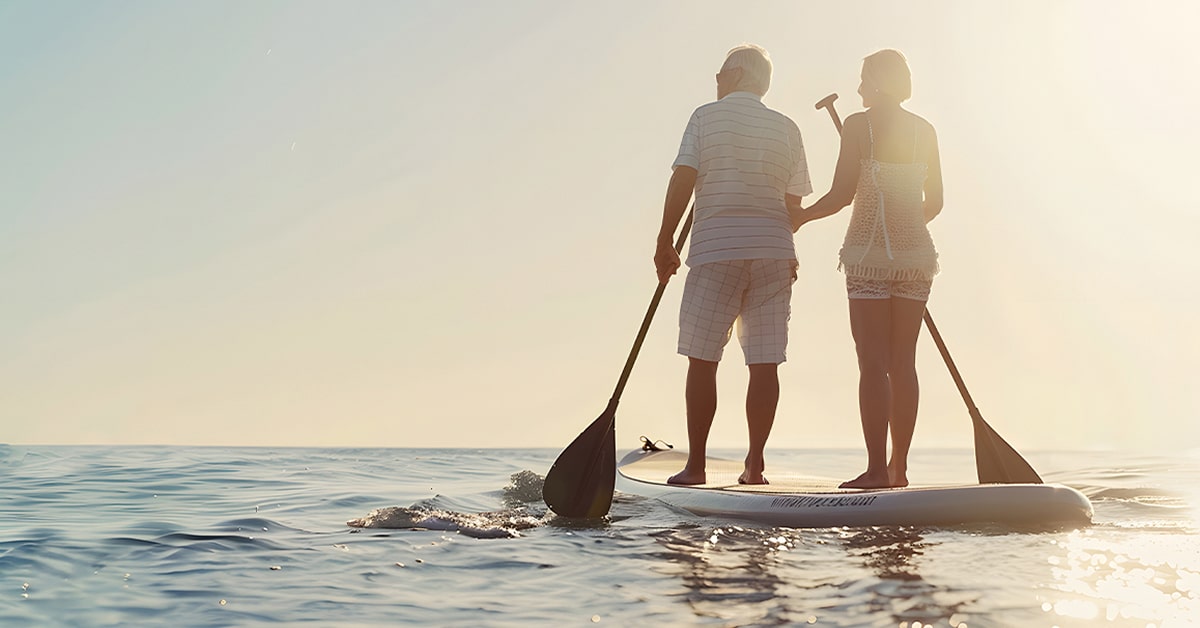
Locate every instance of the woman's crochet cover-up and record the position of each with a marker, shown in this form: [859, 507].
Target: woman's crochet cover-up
[887, 237]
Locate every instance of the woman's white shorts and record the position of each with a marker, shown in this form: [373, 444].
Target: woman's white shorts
[863, 288]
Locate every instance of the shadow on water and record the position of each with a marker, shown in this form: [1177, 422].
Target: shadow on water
[725, 568]
[765, 576]
[889, 552]
[893, 555]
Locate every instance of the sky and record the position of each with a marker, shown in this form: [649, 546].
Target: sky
[430, 224]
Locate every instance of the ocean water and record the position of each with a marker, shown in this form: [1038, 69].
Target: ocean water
[176, 536]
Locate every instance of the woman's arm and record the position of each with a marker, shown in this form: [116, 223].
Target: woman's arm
[845, 177]
[933, 179]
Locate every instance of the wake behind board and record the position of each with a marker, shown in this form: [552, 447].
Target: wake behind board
[800, 501]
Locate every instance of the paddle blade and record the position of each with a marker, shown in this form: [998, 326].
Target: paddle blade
[580, 483]
[996, 462]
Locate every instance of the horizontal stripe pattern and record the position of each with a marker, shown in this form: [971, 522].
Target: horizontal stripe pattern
[724, 238]
[747, 158]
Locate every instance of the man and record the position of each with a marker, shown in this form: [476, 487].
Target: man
[747, 167]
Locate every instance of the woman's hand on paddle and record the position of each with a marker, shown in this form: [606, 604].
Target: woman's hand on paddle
[666, 261]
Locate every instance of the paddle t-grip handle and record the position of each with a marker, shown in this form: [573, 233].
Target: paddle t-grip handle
[827, 103]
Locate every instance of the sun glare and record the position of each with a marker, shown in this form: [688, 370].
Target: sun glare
[1142, 579]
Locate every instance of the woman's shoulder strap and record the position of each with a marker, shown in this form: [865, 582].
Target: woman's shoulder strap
[857, 123]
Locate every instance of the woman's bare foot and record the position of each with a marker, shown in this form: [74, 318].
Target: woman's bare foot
[869, 479]
[897, 476]
[687, 477]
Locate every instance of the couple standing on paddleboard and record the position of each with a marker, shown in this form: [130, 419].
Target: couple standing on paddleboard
[746, 166]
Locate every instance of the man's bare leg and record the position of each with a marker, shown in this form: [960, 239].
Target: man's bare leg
[762, 398]
[701, 398]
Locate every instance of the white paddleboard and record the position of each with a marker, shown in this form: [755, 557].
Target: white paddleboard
[800, 501]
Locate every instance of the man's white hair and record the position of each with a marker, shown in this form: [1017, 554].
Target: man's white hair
[756, 67]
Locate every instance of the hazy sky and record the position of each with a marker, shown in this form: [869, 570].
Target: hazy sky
[431, 223]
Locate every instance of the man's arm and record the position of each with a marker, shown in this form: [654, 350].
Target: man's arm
[679, 192]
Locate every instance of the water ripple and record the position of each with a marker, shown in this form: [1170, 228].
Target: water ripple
[246, 536]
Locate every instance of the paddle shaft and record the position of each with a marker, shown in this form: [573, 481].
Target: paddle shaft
[958, 380]
[658, 294]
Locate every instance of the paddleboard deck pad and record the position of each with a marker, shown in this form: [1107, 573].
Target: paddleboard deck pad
[799, 501]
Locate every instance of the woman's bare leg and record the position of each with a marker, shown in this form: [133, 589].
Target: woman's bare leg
[870, 324]
[902, 374]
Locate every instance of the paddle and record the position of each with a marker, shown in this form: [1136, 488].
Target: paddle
[996, 462]
[580, 483]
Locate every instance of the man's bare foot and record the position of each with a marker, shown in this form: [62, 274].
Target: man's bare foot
[752, 478]
[687, 478]
[869, 479]
[752, 470]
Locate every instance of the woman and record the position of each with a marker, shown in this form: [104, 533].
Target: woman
[889, 167]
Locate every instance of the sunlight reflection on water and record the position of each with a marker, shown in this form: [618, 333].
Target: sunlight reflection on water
[1145, 577]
